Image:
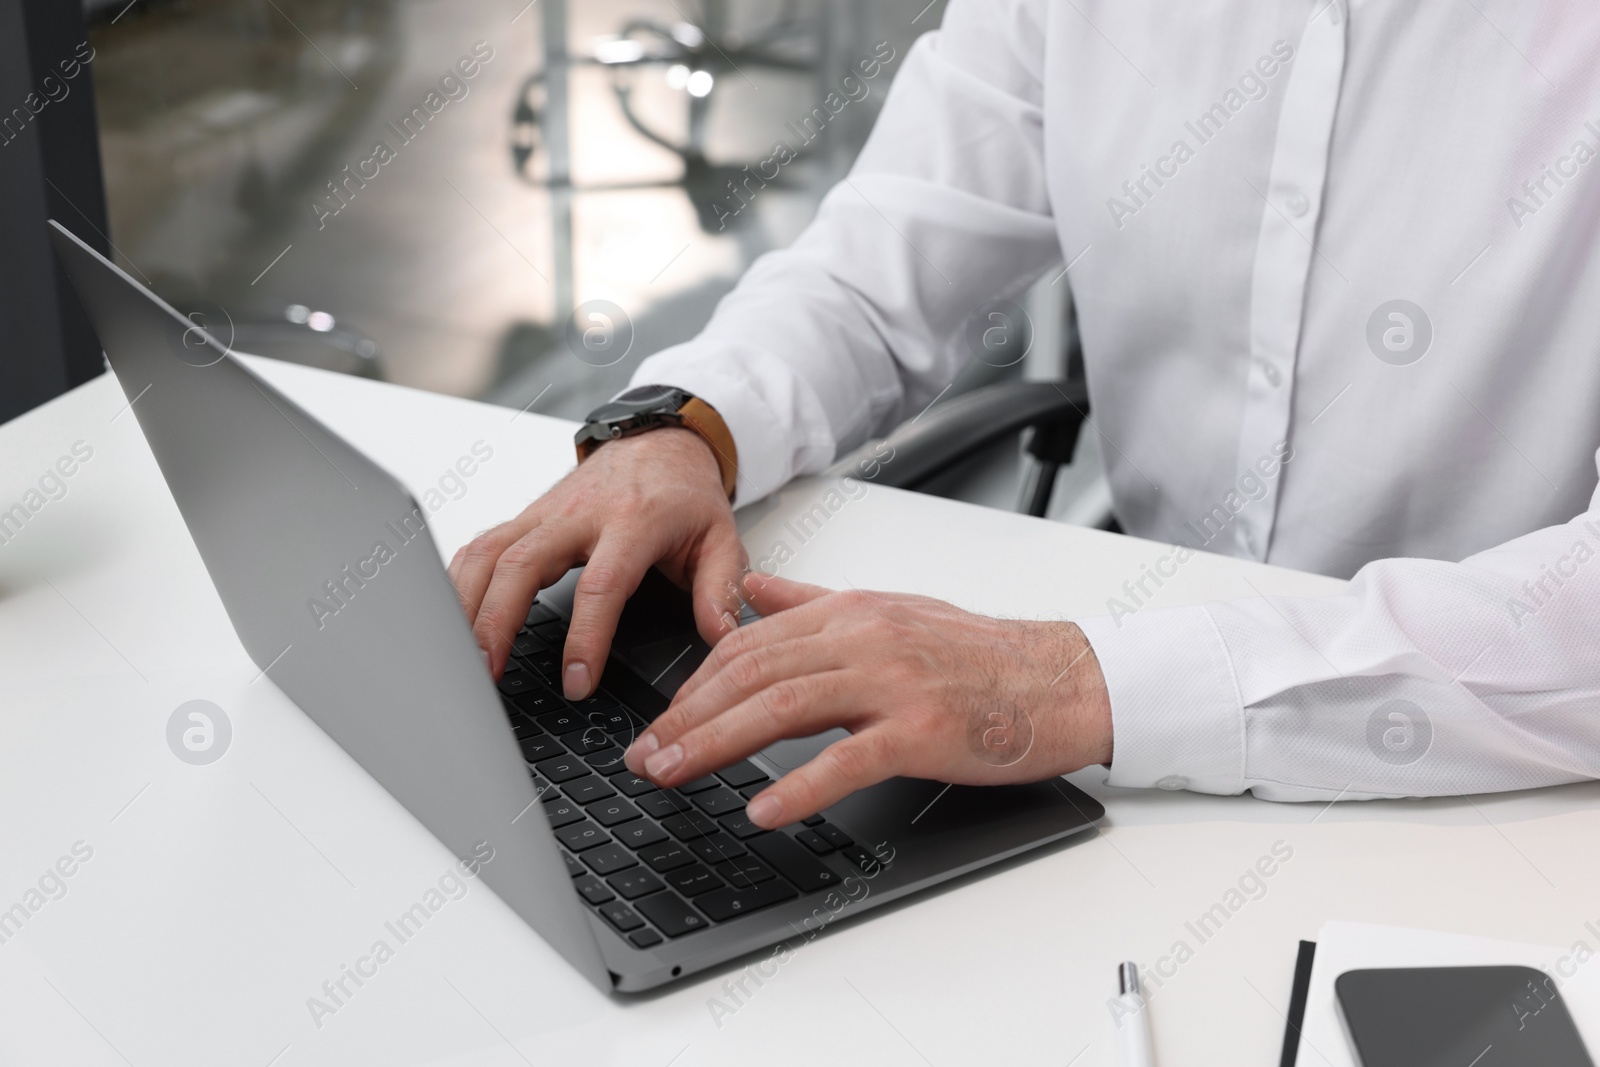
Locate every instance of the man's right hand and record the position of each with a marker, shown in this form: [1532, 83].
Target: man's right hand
[653, 498]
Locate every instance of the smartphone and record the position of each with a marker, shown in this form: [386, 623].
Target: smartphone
[1458, 1017]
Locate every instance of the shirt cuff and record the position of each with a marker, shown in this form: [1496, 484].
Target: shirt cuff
[765, 454]
[1176, 718]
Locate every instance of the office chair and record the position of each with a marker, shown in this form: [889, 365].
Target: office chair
[1052, 413]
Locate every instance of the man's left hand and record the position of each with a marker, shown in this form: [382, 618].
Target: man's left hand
[925, 689]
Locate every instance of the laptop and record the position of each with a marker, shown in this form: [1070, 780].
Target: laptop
[329, 575]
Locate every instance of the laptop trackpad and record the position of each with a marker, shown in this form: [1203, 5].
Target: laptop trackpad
[787, 755]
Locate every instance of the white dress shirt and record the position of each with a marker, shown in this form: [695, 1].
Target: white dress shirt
[1337, 279]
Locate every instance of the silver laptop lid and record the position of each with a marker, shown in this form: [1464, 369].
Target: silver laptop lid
[331, 579]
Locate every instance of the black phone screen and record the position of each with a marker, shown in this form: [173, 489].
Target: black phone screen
[1458, 1017]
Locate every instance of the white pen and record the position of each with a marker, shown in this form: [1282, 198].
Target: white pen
[1133, 1021]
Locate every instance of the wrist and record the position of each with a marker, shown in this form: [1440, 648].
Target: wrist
[1077, 698]
[651, 407]
[676, 447]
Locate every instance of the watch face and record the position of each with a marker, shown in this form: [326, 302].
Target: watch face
[646, 394]
[644, 398]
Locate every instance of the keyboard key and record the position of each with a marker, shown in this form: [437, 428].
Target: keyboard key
[740, 826]
[588, 789]
[631, 785]
[539, 702]
[562, 768]
[671, 915]
[561, 721]
[612, 812]
[631, 885]
[749, 792]
[812, 820]
[615, 721]
[541, 746]
[552, 631]
[574, 868]
[621, 916]
[719, 801]
[814, 841]
[665, 802]
[833, 835]
[546, 665]
[725, 904]
[688, 825]
[665, 856]
[692, 881]
[715, 848]
[699, 785]
[742, 774]
[794, 862]
[745, 872]
[606, 761]
[601, 701]
[607, 858]
[518, 681]
[527, 643]
[862, 858]
[645, 938]
[562, 812]
[593, 889]
[639, 833]
[589, 739]
[523, 729]
[581, 835]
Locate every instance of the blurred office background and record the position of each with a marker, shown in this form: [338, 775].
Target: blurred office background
[586, 159]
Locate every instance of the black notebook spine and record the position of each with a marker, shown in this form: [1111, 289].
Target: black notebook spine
[1297, 1004]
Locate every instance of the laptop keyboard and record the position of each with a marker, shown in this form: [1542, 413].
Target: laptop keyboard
[654, 863]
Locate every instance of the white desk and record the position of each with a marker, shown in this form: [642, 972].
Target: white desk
[219, 898]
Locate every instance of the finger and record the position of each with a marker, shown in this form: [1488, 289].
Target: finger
[717, 569]
[741, 642]
[794, 707]
[837, 771]
[610, 578]
[472, 567]
[770, 594]
[533, 561]
[758, 665]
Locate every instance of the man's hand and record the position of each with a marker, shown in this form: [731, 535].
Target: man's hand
[653, 498]
[925, 689]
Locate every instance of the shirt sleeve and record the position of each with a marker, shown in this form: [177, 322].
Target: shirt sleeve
[1422, 678]
[849, 331]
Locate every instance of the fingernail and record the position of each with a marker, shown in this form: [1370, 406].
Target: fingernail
[639, 751]
[729, 623]
[766, 810]
[663, 763]
[575, 683]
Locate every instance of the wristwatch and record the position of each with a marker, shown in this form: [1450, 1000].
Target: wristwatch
[647, 407]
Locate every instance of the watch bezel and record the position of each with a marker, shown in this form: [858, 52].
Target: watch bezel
[620, 417]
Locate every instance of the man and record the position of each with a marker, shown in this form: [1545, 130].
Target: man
[1334, 269]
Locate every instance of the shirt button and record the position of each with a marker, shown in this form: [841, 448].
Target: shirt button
[1270, 373]
[1249, 539]
[1173, 782]
[1297, 204]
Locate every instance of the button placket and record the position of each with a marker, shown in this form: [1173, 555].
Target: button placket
[1284, 250]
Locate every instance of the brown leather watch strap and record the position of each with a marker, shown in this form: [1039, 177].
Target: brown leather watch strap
[703, 419]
